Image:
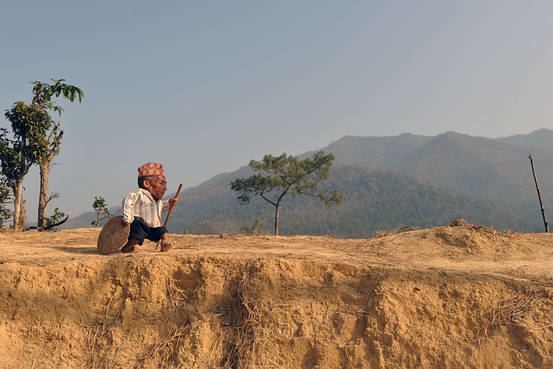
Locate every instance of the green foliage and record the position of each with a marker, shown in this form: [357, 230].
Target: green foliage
[15, 164]
[48, 142]
[287, 174]
[43, 93]
[277, 176]
[47, 139]
[101, 210]
[18, 153]
[55, 219]
[21, 149]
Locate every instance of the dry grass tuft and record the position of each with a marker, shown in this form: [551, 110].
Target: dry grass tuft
[509, 311]
[164, 352]
[250, 337]
[512, 310]
[101, 353]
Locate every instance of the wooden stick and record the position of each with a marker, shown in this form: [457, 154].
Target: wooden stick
[539, 195]
[171, 207]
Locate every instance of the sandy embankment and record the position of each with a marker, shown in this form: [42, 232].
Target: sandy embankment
[448, 297]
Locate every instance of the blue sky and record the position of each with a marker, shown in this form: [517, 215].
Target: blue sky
[203, 87]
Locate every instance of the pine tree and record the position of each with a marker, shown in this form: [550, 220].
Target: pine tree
[277, 176]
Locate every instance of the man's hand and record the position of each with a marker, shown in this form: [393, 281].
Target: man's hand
[174, 201]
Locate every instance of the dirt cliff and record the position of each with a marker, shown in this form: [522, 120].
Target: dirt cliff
[459, 296]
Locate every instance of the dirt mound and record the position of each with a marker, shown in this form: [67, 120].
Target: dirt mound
[447, 297]
[473, 239]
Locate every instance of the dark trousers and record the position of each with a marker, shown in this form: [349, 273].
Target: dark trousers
[140, 231]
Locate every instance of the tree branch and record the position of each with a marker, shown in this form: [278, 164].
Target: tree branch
[266, 199]
[282, 195]
[52, 196]
[50, 225]
[57, 224]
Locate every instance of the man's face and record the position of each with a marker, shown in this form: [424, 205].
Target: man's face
[156, 186]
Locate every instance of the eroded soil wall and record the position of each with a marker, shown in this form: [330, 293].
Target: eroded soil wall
[198, 312]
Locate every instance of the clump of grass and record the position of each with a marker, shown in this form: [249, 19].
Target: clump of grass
[512, 310]
[250, 339]
[164, 352]
[101, 353]
[509, 311]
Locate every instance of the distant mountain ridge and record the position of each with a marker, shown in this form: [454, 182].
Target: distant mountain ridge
[375, 152]
[493, 169]
[439, 177]
[541, 139]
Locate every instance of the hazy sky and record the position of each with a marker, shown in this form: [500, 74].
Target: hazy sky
[205, 86]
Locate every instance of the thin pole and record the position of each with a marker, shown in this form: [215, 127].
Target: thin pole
[171, 207]
[539, 195]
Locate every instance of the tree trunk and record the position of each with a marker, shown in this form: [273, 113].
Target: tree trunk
[43, 195]
[23, 214]
[276, 219]
[17, 204]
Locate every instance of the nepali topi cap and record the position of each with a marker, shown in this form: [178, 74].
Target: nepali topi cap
[151, 169]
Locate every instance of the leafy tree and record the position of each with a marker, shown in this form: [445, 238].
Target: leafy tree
[101, 209]
[48, 144]
[20, 151]
[277, 176]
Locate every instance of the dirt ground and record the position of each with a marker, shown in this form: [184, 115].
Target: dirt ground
[458, 296]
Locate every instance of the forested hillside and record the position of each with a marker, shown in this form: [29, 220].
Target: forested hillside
[389, 182]
[373, 201]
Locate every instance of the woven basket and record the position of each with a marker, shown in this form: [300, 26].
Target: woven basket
[114, 236]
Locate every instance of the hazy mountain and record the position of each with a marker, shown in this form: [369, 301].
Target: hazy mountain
[375, 152]
[393, 181]
[542, 139]
[491, 169]
[478, 166]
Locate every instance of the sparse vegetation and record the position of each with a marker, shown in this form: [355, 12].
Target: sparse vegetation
[55, 220]
[101, 209]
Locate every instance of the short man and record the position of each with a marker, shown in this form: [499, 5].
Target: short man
[142, 208]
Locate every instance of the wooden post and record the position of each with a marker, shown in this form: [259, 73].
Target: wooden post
[539, 195]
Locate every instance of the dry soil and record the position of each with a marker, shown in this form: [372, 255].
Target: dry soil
[458, 296]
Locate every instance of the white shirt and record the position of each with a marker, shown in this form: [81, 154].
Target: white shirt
[141, 204]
